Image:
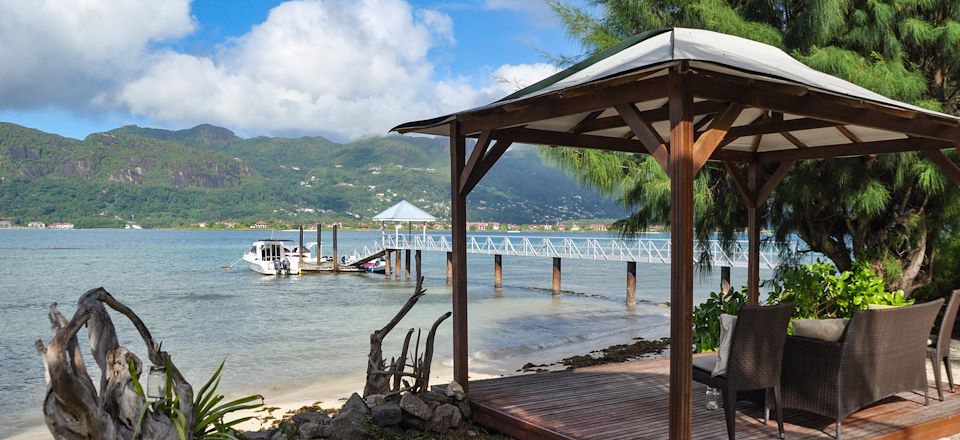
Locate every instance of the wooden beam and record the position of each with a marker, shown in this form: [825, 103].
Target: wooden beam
[755, 145]
[655, 115]
[803, 101]
[860, 149]
[772, 182]
[682, 174]
[594, 142]
[592, 116]
[586, 98]
[703, 122]
[708, 142]
[848, 134]
[645, 133]
[738, 182]
[753, 236]
[458, 214]
[946, 166]
[792, 139]
[769, 127]
[481, 169]
[483, 142]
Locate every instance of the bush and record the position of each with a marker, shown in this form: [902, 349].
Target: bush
[706, 317]
[817, 291]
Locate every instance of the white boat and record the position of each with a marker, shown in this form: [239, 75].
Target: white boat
[274, 257]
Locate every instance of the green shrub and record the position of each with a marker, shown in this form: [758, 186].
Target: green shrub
[706, 317]
[817, 291]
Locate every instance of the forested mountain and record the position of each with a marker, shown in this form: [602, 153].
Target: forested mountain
[170, 178]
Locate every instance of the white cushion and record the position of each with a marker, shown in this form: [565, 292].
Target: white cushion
[705, 363]
[727, 324]
[825, 329]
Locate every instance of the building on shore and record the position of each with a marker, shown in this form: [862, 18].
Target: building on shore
[36, 225]
[598, 227]
[228, 224]
[259, 225]
[60, 226]
[6, 224]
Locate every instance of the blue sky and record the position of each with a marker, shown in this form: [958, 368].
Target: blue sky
[337, 68]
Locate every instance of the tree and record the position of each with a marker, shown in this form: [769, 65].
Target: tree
[889, 210]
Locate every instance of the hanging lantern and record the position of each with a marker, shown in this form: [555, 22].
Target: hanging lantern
[156, 382]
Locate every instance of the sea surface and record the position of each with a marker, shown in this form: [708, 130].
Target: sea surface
[281, 332]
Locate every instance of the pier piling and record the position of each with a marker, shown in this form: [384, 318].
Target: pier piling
[396, 256]
[406, 264]
[724, 279]
[631, 283]
[556, 276]
[498, 271]
[417, 256]
[336, 258]
[300, 253]
[386, 258]
[449, 267]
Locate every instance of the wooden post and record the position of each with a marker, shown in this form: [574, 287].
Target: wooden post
[386, 258]
[300, 253]
[449, 267]
[498, 271]
[396, 256]
[682, 173]
[724, 279]
[319, 244]
[556, 276]
[458, 214]
[417, 256]
[631, 283]
[753, 236]
[406, 264]
[336, 257]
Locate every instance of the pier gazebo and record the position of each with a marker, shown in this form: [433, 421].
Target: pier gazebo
[685, 97]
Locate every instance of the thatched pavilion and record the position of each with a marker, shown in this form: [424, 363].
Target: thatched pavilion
[685, 97]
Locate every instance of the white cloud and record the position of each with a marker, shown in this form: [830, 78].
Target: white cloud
[68, 52]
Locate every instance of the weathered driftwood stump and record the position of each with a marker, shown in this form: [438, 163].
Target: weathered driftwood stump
[73, 409]
[392, 379]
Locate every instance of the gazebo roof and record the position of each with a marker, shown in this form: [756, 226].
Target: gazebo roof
[726, 69]
[404, 212]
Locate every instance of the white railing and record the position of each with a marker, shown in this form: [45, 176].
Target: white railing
[641, 250]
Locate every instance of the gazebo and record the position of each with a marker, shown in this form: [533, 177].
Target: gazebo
[685, 97]
[404, 212]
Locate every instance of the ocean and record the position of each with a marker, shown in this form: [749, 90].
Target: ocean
[281, 336]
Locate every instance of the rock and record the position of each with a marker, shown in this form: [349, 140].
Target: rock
[349, 425]
[266, 434]
[412, 423]
[464, 406]
[315, 417]
[433, 396]
[456, 391]
[387, 414]
[413, 405]
[355, 402]
[312, 430]
[375, 399]
[444, 418]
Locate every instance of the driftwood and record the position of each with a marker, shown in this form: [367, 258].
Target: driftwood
[72, 408]
[391, 379]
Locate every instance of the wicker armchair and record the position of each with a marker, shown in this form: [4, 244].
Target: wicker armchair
[755, 360]
[939, 349]
[881, 353]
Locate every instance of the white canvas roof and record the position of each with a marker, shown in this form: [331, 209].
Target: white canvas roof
[651, 55]
[404, 212]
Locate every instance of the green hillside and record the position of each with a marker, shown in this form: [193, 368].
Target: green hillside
[173, 178]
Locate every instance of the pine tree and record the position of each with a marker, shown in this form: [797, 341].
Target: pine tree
[891, 210]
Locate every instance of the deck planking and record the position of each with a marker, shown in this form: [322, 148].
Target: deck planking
[629, 400]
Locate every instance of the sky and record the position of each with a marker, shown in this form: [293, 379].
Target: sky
[337, 68]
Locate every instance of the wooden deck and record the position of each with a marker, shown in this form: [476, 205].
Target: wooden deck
[629, 401]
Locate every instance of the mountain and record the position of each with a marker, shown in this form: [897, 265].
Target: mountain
[206, 173]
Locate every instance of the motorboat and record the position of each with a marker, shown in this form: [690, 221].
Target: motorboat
[274, 257]
[376, 266]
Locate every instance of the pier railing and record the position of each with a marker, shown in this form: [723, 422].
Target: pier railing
[639, 250]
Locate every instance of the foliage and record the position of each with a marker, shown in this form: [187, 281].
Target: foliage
[209, 412]
[890, 210]
[817, 291]
[706, 317]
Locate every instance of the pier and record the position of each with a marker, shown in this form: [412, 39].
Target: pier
[629, 251]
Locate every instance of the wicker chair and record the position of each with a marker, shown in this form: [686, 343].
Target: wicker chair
[881, 353]
[755, 360]
[939, 350]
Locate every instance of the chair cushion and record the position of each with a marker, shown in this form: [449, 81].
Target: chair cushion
[825, 329]
[727, 324]
[705, 363]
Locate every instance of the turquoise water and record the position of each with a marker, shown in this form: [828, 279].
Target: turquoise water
[277, 330]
